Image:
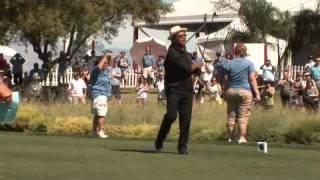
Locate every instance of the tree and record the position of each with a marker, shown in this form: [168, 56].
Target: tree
[307, 28]
[42, 22]
[259, 16]
[261, 19]
[6, 19]
[305, 32]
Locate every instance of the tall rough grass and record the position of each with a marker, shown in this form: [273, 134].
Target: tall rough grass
[132, 121]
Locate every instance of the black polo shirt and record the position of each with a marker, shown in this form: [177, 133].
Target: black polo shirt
[178, 70]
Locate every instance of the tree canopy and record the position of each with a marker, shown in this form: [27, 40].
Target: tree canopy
[262, 18]
[42, 22]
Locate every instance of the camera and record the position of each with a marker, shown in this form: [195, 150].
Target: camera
[262, 147]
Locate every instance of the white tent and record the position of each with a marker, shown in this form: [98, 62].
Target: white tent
[216, 42]
[7, 51]
[236, 24]
[194, 15]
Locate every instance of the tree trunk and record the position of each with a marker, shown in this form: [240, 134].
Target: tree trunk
[71, 39]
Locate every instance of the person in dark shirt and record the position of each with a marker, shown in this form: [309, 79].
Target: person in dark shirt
[17, 62]
[34, 71]
[179, 89]
[3, 62]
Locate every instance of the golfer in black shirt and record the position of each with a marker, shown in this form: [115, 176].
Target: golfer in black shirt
[178, 88]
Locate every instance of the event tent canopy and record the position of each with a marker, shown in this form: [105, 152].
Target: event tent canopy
[157, 47]
[7, 51]
[193, 16]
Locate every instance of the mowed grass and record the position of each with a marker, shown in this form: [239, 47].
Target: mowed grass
[60, 157]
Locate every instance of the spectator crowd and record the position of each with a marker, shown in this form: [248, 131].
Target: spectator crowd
[208, 84]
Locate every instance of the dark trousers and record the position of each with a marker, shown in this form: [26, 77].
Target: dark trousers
[177, 102]
[311, 104]
[285, 99]
[116, 92]
[17, 78]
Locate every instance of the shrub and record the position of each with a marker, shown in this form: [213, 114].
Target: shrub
[32, 119]
[304, 132]
[130, 121]
[70, 126]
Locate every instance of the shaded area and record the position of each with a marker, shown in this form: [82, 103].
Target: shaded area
[145, 151]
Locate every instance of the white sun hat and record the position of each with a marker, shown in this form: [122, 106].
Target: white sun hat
[175, 30]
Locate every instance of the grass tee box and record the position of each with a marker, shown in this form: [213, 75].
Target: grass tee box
[49, 157]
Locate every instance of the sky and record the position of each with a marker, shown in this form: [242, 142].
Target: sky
[293, 5]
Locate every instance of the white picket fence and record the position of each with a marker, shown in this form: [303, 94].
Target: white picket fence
[294, 71]
[131, 78]
[53, 79]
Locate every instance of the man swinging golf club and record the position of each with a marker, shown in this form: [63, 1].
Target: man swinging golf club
[178, 87]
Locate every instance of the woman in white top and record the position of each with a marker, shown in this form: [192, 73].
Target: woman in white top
[205, 78]
[215, 91]
[78, 89]
[161, 90]
[142, 89]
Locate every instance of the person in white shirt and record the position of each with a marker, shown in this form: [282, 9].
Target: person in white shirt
[206, 76]
[309, 65]
[78, 90]
[161, 91]
[215, 91]
[207, 72]
[142, 89]
[268, 71]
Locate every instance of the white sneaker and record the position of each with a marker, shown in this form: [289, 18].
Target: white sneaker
[102, 135]
[230, 140]
[242, 141]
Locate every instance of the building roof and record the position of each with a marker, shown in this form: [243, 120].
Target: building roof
[188, 15]
[193, 22]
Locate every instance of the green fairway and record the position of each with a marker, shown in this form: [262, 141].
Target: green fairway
[50, 157]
